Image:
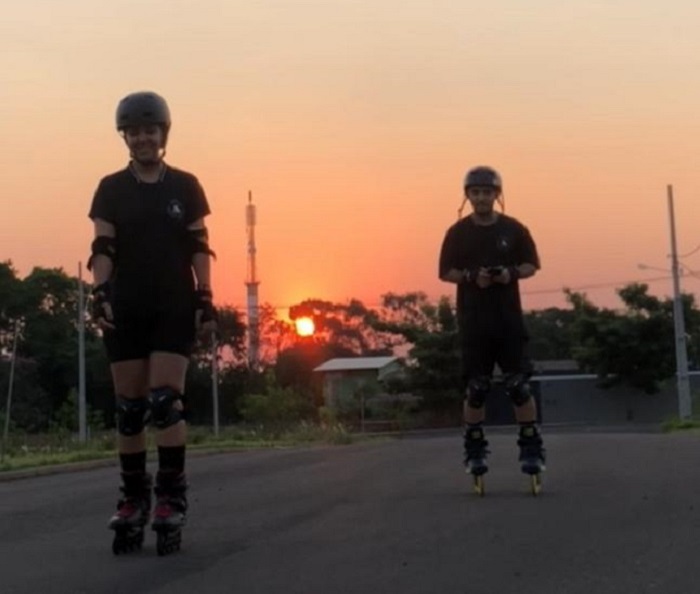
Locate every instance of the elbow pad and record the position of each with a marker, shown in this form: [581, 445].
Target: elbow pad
[198, 242]
[103, 245]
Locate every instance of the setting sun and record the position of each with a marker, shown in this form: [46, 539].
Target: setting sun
[304, 326]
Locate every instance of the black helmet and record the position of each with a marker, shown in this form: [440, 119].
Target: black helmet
[144, 108]
[483, 176]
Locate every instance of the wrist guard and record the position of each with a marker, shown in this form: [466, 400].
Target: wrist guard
[101, 295]
[203, 303]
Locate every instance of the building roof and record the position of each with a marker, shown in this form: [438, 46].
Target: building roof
[556, 365]
[355, 363]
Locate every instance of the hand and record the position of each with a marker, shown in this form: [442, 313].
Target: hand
[483, 278]
[507, 275]
[502, 277]
[205, 317]
[101, 307]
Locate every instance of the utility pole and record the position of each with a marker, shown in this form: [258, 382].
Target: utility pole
[215, 381]
[682, 378]
[82, 406]
[8, 406]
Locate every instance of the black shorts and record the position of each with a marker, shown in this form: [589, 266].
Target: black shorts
[137, 334]
[492, 336]
[482, 351]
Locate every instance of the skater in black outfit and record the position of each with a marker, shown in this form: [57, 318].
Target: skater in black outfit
[151, 270]
[487, 254]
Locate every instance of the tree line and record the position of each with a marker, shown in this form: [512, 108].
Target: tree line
[632, 344]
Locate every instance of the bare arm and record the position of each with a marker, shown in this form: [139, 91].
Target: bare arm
[454, 276]
[526, 270]
[522, 271]
[484, 279]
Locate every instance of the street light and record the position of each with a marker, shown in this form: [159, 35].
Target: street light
[655, 268]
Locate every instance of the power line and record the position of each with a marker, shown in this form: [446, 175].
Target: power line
[690, 253]
[596, 285]
[585, 287]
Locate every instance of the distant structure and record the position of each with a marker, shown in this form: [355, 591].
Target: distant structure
[252, 289]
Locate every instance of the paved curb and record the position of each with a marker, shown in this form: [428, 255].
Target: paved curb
[50, 469]
[14, 475]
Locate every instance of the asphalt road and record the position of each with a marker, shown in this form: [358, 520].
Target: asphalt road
[619, 513]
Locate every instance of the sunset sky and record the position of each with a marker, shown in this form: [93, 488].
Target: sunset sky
[353, 123]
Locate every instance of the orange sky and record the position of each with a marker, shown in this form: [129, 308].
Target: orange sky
[353, 123]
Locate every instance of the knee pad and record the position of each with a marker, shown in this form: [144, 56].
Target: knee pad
[132, 415]
[517, 388]
[163, 412]
[477, 390]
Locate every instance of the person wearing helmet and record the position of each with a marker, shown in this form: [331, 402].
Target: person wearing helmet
[150, 247]
[487, 254]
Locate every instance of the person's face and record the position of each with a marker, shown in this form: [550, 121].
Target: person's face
[145, 143]
[482, 199]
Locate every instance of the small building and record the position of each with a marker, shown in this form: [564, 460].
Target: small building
[343, 377]
[559, 367]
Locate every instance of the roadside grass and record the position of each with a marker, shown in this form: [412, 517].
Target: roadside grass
[674, 424]
[25, 451]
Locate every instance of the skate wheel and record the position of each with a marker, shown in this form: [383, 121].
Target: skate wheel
[126, 541]
[162, 545]
[479, 486]
[535, 484]
[168, 542]
[162, 550]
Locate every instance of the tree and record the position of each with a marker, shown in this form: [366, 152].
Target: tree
[277, 407]
[31, 407]
[230, 340]
[344, 325]
[50, 304]
[275, 335]
[46, 304]
[635, 346]
[341, 330]
[550, 332]
[10, 304]
[232, 369]
[295, 366]
[430, 334]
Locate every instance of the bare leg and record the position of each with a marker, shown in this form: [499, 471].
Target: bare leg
[472, 416]
[527, 413]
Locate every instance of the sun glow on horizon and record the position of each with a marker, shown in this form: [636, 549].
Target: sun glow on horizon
[304, 326]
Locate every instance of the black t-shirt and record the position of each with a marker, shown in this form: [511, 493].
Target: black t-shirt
[466, 245]
[153, 262]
